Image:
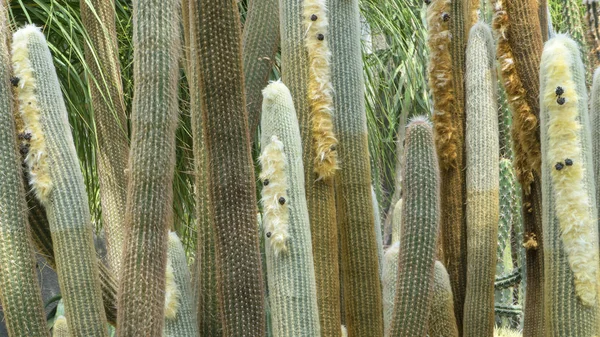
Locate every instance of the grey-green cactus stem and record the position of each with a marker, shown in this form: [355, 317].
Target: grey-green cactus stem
[441, 317]
[233, 205]
[420, 227]
[19, 288]
[156, 37]
[260, 42]
[181, 320]
[291, 275]
[390, 275]
[482, 150]
[595, 118]
[320, 194]
[102, 55]
[362, 286]
[56, 179]
[569, 200]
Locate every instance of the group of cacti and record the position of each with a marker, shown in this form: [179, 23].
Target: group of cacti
[497, 223]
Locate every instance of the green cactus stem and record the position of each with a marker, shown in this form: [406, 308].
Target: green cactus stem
[102, 55]
[56, 179]
[390, 275]
[595, 118]
[61, 328]
[420, 225]
[320, 194]
[362, 286]
[232, 196]
[441, 317]
[482, 149]
[288, 246]
[19, 288]
[151, 167]
[569, 199]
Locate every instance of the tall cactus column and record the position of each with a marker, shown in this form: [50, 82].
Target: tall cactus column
[569, 201]
[362, 286]
[288, 246]
[19, 288]
[231, 184]
[98, 17]
[320, 196]
[420, 226]
[482, 150]
[595, 119]
[156, 38]
[56, 179]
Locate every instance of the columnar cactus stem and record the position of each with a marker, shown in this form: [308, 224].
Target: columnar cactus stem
[362, 286]
[420, 225]
[98, 17]
[377, 228]
[595, 118]
[288, 246]
[60, 328]
[569, 200]
[56, 179]
[205, 277]
[441, 318]
[260, 42]
[390, 275]
[19, 288]
[181, 320]
[482, 149]
[156, 37]
[447, 43]
[320, 196]
[232, 196]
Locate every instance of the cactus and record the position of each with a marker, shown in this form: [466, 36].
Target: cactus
[595, 117]
[150, 194]
[397, 221]
[232, 196]
[56, 179]
[260, 42]
[481, 140]
[19, 287]
[445, 20]
[441, 318]
[291, 278]
[180, 313]
[420, 224]
[205, 271]
[519, 42]
[102, 55]
[377, 227]
[320, 196]
[362, 286]
[61, 328]
[390, 275]
[569, 200]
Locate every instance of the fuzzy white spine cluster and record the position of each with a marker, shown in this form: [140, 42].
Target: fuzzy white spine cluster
[29, 111]
[172, 292]
[274, 195]
[572, 203]
[320, 88]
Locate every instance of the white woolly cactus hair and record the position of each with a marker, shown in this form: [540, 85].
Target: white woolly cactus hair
[172, 292]
[275, 184]
[29, 111]
[320, 89]
[572, 203]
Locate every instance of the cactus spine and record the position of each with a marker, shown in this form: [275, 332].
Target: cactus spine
[569, 205]
[291, 278]
[482, 149]
[98, 17]
[232, 196]
[320, 196]
[205, 277]
[260, 42]
[56, 178]
[181, 319]
[441, 318]
[19, 288]
[151, 167]
[420, 224]
[362, 286]
[595, 117]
